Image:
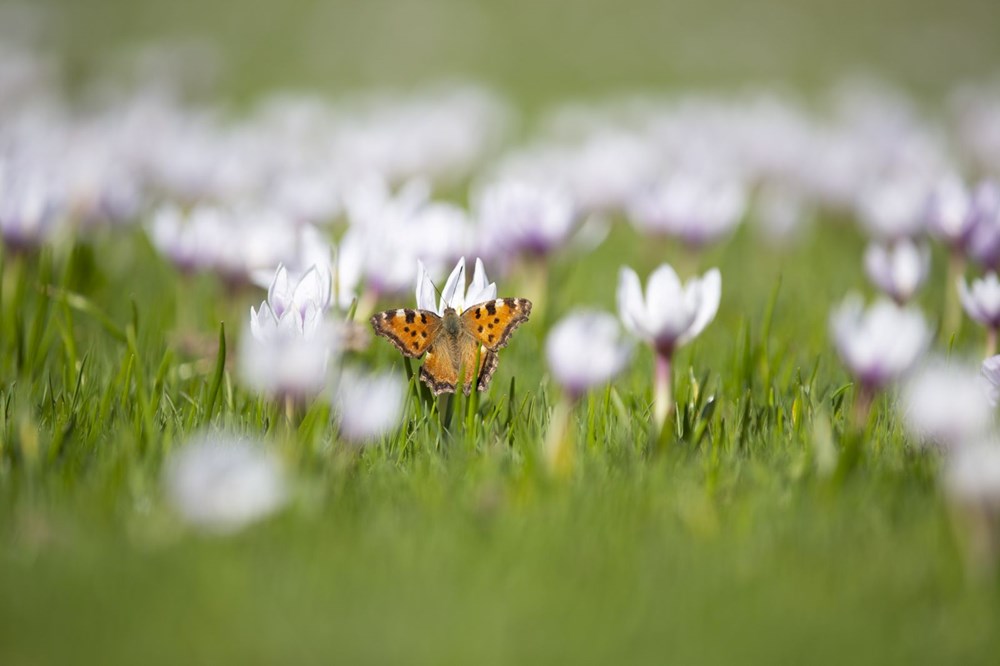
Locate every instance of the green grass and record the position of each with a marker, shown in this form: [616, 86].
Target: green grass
[736, 544]
[733, 544]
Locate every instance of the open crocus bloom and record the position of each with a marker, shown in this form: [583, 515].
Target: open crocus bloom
[369, 404]
[454, 294]
[981, 300]
[898, 269]
[311, 289]
[670, 314]
[880, 344]
[221, 483]
[585, 349]
[946, 405]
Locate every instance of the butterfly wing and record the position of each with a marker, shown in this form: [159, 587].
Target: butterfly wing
[439, 371]
[411, 331]
[446, 362]
[493, 322]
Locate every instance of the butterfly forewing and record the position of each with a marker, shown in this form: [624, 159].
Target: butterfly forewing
[411, 331]
[493, 322]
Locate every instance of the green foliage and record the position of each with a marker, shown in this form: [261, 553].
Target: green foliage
[740, 539]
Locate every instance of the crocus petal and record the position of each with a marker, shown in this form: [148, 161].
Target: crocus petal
[668, 316]
[279, 293]
[710, 293]
[309, 290]
[425, 290]
[480, 289]
[631, 306]
[968, 302]
[453, 294]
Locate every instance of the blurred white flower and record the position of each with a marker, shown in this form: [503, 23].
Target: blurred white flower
[454, 294]
[898, 269]
[893, 207]
[949, 213]
[310, 249]
[29, 209]
[368, 405]
[382, 232]
[234, 243]
[944, 404]
[287, 356]
[348, 268]
[221, 483]
[984, 241]
[880, 344]
[310, 291]
[291, 343]
[990, 374]
[696, 210]
[308, 196]
[981, 301]
[669, 314]
[972, 477]
[782, 211]
[526, 218]
[586, 349]
[441, 233]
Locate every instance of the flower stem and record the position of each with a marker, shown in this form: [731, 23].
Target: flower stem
[952, 306]
[663, 405]
[991, 342]
[851, 444]
[559, 451]
[861, 410]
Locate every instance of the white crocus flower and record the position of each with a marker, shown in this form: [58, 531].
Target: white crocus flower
[880, 344]
[220, 483]
[898, 269]
[369, 405]
[586, 349]
[667, 316]
[312, 289]
[454, 294]
[944, 404]
[29, 210]
[981, 300]
[526, 218]
[312, 249]
[290, 343]
[950, 216]
[894, 207]
[696, 210]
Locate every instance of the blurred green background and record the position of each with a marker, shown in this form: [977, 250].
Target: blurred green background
[545, 50]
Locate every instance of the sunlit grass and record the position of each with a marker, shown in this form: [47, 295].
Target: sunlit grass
[736, 537]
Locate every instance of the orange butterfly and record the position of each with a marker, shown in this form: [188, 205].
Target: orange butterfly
[454, 342]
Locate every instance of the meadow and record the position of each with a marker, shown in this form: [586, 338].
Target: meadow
[764, 523]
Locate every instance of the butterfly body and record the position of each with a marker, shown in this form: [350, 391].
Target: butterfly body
[460, 347]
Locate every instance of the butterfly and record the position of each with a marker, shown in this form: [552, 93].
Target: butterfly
[454, 342]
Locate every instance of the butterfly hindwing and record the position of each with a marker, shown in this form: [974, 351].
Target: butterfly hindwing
[411, 331]
[438, 370]
[446, 361]
[493, 322]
